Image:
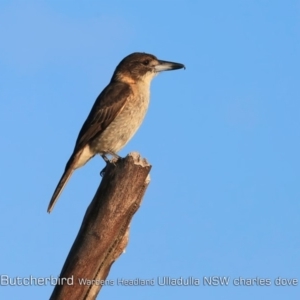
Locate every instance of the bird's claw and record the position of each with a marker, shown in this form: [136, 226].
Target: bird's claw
[111, 162]
[102, 173]
[115, 158]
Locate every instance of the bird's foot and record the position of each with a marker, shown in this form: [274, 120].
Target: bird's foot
[103, 171]
[112, 161]
[105, 158]
[114, 155]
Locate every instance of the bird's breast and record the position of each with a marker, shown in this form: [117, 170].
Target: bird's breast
[126, 123]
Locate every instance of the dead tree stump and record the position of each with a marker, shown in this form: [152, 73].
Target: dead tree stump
[104, 231]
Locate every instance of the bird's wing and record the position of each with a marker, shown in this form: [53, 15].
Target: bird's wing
[107, 106]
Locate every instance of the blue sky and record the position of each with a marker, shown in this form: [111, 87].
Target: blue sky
[223, 138]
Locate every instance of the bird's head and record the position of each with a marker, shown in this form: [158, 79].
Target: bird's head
[142, 67]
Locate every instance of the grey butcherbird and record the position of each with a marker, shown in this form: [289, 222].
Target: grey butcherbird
[116, 114]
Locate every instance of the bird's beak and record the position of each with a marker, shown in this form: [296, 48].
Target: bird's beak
[167, 66]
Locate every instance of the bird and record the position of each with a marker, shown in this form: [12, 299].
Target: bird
[116, 114]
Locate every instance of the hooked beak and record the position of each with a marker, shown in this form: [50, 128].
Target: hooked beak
[167, 66]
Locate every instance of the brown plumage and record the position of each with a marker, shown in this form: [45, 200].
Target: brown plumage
[116, 114]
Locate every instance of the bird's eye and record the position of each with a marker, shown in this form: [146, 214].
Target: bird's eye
[146, 62]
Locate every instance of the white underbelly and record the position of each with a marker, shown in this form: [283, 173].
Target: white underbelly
[123, 127]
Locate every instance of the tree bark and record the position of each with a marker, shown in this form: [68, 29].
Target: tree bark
[104, 231]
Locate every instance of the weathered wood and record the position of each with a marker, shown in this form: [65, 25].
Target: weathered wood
[104, 232]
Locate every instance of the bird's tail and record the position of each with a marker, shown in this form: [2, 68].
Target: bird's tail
[62, 182]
